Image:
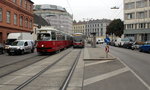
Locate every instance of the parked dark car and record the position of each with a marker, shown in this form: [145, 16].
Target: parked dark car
[136, 45]
[145, 47]
[1, 48]
[128, 44]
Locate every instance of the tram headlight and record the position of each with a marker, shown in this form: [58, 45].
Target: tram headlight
[42, 45]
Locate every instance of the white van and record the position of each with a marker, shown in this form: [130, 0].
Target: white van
[99, 40]
[17, 36]
[21, 47]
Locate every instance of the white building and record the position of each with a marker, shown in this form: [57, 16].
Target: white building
[56, 16]
[98, 26]
[137, 19]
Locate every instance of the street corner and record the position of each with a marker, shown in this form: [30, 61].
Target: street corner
[110, 75]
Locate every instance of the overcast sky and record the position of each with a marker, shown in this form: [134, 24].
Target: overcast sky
[87, 9]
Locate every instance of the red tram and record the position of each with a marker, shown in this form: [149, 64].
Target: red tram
[78, 40]
[52, 40]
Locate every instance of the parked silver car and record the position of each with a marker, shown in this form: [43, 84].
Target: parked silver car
[21, 47]
[136, 45]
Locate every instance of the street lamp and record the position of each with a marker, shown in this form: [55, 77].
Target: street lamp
[115, 7]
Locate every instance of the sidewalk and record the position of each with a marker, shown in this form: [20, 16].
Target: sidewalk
[97, 53]
[101, 73]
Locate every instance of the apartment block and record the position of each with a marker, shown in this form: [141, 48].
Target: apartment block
[56, 16]
[137, 19]
[15, 16]
[79, 27]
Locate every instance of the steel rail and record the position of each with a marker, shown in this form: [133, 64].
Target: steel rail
[5, 74]
[66, 81]
[38, 74]
[17, 62]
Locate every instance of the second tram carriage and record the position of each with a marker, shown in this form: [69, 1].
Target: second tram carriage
[52, 40]
[78, 40]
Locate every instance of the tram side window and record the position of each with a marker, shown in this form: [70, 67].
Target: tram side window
[53, 36]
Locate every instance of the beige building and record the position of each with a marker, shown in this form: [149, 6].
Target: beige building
[79, 27]
[137, 19]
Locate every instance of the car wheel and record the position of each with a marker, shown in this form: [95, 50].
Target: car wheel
[10, 54]
[149, 51]
[32, 51]
[140, 50]
[22, 52]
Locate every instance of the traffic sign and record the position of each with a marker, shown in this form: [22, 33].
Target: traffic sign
[107, 40]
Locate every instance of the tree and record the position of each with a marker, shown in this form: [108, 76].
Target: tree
[116, 27]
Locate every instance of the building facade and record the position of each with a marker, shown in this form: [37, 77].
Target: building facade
[137, 19]
[98, 26]
[15, 16]
[79, 27]
[56, 16]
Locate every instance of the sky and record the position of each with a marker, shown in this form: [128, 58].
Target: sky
[89, 9]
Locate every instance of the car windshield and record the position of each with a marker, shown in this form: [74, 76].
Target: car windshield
[9, 41]
[18, 43]
[125, 39]
[43, 37]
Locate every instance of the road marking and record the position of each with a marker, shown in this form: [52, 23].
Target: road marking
[99, 62]
[105, 76]
[144, 83]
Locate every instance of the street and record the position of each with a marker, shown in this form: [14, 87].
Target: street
[139, 62]
[129, 70]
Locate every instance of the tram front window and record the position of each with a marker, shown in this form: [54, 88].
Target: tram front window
[43, 37]
[78, 39]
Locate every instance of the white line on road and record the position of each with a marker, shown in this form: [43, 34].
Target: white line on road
[98, 62]
[146, 85]
[105, 76]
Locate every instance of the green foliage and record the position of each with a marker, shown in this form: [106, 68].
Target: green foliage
[116, 27]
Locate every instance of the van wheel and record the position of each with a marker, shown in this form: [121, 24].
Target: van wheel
[32, 51]
[10, 54]
[22, 52]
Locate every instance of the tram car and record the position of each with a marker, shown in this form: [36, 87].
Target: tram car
[78, 40]
[52, 40]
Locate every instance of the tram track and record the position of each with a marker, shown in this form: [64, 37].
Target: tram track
[15, 66]
[66, 79]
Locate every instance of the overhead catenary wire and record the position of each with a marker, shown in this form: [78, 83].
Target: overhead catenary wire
[70, 7]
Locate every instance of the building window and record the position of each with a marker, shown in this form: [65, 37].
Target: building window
[15, 19]
[129, 5]
[8, 16]
[25, 4]
[141, 4]
[30, 24]
[26, 22]
[21, 20]
[20, 2]
[1, 14]
[129, 16]
[14, 1]
[141, 15]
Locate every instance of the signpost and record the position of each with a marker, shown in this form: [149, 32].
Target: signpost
[107, 40]
[106, 50]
